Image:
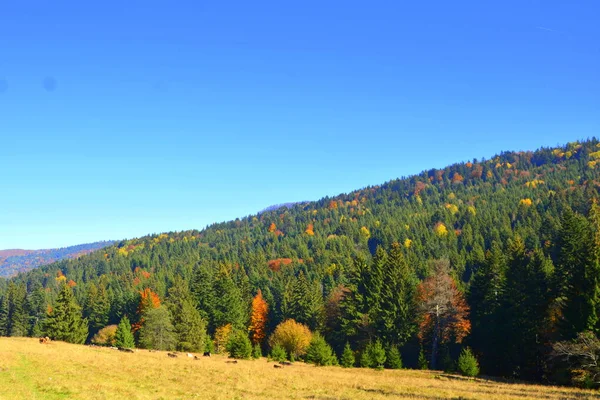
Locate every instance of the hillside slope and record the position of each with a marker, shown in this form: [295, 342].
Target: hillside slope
[515, 221]
[15, 261]
[59, 370]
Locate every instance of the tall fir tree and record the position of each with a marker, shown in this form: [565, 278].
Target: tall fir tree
[398, 307]
[64, 321]
[525, 311]
[123, 336]
[190, 328]
[485, 296]
[577, 275]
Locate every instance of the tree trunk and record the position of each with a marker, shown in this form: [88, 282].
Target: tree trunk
[435, 339]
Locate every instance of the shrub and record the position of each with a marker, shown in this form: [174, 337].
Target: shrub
[256, 351]
[319, 352]
[222, 334]
[365, 360]
[394, 359]
[278, 353]
[348, 359]
[293, 337]
[105, 336]
[209, 346]
[239, 345]
[467, 363]
[422, 362]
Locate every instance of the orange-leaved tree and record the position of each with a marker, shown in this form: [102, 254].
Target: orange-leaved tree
[443, 310]
[258, 319]
[148, 300]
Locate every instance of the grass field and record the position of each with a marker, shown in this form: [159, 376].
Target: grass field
[30, 370]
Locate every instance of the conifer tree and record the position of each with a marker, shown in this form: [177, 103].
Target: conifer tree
[64, 321]
[577, 275]
[4, 315]
[190, 328]
[348, 360]
[485, 298]
[124, 336]
[97, 308]
[203, 292]
[393, 358]
[230, 308]
[525, 310]
[398, 306]
[157, 332]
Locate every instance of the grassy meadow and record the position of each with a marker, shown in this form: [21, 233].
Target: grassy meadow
[30, 370]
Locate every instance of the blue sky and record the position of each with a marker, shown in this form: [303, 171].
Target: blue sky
[119, 119]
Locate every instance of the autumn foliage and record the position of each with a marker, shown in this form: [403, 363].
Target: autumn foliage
[444, 311]
[293, 336]
[148, 300]
[258, 319]
[275, 265]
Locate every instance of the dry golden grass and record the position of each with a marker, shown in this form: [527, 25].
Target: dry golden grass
[29, 370]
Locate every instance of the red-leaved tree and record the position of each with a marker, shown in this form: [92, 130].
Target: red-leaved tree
[443, 310]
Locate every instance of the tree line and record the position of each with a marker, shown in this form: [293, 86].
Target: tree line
[497, 259]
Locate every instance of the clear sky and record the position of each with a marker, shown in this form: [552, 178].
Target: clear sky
[123, 118]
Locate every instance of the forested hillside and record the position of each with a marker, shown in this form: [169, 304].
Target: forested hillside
[501, 255]
[15, 261]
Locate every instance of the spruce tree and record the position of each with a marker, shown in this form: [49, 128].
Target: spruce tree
[577, 275]
[230, 308]
[348, 360]
[4, 315]
[190, 328]
[17, 316]
[124, 336]
[157, 332]
[485, 298]
[393, 359]
[97, 308]
[525, 309]
[64, 321]
[203, 293]
[398, 306]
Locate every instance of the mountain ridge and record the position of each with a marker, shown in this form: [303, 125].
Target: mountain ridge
[15, 261]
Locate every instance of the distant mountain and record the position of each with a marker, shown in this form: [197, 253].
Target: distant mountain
[14, 261]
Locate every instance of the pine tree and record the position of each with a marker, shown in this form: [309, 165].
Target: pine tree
[4, 315]
[398, 307]
[190, 328]
[485, 299]
[377, 355]
[356, 324]
[157, 332]
[525, 310]
[230, 308]
[305, 303]
[98, 308]
[203, 292]
[17, 316]
[577, 275]
[36, 310]
[422, 361]
[124, 336]
[319, 352]
[348, 360]
[64, 321]
[393, 359]
[467, 363]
